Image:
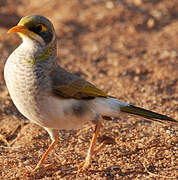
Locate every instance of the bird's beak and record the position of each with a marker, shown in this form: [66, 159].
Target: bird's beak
[24, 32]
[19, 29]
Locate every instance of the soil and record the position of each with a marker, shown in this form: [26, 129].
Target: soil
[129, 49]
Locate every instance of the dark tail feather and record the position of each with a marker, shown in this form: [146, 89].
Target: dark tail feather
[130, 109]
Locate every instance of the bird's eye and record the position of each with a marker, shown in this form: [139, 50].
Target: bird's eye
[38, 28]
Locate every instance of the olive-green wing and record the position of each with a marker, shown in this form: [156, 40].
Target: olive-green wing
[67, 85]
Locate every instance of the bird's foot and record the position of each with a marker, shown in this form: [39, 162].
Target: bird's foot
[84, 165]
[36, 168]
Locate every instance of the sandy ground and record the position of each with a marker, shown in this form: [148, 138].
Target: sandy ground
[128, 48]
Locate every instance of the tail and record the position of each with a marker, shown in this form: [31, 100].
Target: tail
[112, 107]
[130, 109]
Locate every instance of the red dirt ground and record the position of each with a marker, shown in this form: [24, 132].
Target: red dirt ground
[129, 49]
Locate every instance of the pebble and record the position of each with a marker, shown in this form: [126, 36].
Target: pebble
[150, 23]
[137, 2]
[109, 4]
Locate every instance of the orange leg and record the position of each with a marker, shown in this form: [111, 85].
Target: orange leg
[45, 155]
[83, 166]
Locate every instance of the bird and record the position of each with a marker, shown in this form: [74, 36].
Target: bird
[54, 98]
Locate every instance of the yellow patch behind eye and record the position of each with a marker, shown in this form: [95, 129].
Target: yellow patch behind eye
[43, 28]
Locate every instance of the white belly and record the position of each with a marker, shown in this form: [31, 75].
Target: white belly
[65, 113]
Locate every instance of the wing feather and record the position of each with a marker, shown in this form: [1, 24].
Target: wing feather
[67, 85]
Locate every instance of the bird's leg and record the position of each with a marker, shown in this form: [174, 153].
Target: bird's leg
[44, 155]
[53, 135]
[83, 166]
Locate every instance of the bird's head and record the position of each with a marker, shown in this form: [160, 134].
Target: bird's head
[35, 28]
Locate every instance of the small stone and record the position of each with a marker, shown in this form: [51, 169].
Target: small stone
[137, 2]
[136, 78]
[150, 23]
[109, 4]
